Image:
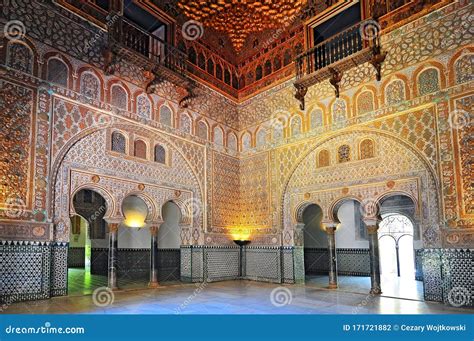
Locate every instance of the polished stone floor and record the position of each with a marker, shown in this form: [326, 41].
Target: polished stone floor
[392, 286]
[82, 283]
[232, 297]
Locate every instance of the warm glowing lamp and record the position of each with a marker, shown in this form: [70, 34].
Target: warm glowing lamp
[135, 211]
[241, 238]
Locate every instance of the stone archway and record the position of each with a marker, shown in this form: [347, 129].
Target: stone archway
[365, 181]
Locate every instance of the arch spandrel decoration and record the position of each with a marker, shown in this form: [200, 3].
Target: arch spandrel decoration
[83, 152]
[411, 174]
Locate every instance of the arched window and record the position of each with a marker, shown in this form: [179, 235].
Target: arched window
[219, 71]
[210, 66]
[90, 86]
[235, 81]
[277, 133]
[258, 72]
[118, 142]
[118, 97]
[143, 106]
[202, 130]
[277, 63]
[287, 58]
[344, 153]
[192, 55]
[365, 102]
[428, 81]
[261, 137]
[367, 149]
[160, 154]
[232, 141]
[395, 92]
[139, 149]
[316, 118]
[227, 77]
[57, 72]
[323, 158]
[218, 136]
[339, 111]
[246, 142]
[185, 123]
[20, 57]
[296, 125]
[268, 68]
[166, 116]
[464, 69]
[202, 61]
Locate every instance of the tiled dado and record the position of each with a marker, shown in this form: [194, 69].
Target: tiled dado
[350, 262]
[259, 263]
[448, 276]
[32, 270]
[135, 263]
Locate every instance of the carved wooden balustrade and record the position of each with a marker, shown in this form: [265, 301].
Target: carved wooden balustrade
[160, 60]
[329, 59]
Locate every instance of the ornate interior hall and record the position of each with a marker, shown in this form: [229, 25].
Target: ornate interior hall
[237, 157]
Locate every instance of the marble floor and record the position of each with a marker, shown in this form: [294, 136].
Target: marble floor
[82, 283]
[232, 297]
[392, 286]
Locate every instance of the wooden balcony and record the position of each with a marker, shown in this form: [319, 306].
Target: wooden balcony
[160, 60]
[331, 58]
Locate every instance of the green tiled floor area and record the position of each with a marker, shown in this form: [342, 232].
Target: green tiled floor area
[80, 282]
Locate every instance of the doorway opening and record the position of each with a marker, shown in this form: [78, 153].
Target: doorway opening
[398, 240]
[169, 244]
[316, 261]
[87, 234]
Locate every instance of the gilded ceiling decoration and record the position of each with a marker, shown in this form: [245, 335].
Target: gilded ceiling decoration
[239, 18]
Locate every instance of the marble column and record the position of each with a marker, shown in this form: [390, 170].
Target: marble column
[372, 227]
[112, 257]
[154, 257]
[331, 234]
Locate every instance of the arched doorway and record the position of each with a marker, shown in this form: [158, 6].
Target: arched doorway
[169, 243]
[315, 247]
[398, 239]
[88, 232]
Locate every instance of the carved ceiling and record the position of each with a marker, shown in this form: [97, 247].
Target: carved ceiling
[238, 18]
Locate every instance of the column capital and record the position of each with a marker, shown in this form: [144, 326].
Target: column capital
[154, 230]
[329, 226]
[372, 229]
[371, 221]
[113, 227]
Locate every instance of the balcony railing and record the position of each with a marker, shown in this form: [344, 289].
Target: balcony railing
[329, 59]
[336, 48]
[144, 48]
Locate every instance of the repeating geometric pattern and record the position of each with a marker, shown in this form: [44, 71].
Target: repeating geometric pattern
[221, 263]
[263, 264]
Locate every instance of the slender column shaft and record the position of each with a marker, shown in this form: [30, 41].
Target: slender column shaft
[374, 259]
[112, 257]
[330, 231]
[154, 257]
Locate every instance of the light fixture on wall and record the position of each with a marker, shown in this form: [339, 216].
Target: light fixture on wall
[135, 211]
[241, 237]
